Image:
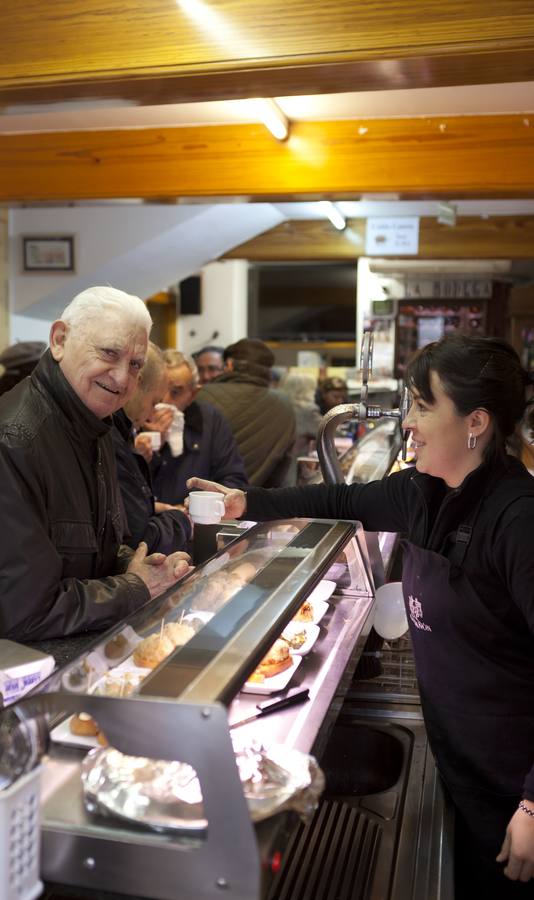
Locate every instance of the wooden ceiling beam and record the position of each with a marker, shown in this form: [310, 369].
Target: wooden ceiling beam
[463, 156]
[151, 52]
[496, 237]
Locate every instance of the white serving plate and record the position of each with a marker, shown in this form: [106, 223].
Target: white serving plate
[275, 683]
[323, 591]
[62, 734]
[311, 631]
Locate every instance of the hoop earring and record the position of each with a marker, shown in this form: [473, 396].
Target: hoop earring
[471, 441]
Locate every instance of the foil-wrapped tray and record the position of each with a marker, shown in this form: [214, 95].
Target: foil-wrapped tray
[166, 796]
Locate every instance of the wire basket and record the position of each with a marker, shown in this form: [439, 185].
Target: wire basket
[390, 669]
[20, 838]
[398, 666]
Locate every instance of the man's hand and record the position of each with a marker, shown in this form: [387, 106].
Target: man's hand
[143, 446]
[518, 846]
[160, 420]
[159, 572]
[235, 501]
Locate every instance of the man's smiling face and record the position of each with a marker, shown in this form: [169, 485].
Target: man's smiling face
[101, 359]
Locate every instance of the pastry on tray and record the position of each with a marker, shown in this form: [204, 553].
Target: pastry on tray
[275, 661]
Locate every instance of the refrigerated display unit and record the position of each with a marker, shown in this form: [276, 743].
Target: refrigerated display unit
[114, 840]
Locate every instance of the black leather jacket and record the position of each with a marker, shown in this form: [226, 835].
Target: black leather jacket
[162, 532]
[61, 562]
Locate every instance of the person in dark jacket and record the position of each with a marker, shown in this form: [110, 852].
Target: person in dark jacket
[208, 450]
[209, 362]
[166, 529]
[18, 361]
[62, 567]
[468, 582]
[261, 419]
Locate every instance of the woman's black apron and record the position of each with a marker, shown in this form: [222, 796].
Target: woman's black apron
[479, 722]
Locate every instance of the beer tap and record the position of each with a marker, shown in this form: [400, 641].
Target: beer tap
[362, 411]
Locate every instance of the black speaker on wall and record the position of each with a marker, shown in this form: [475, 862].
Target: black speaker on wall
[190, 296]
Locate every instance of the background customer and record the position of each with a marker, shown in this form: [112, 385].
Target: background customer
[261, 419]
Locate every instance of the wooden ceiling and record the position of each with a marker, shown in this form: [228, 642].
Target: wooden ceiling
[169, 51]
[173, 51]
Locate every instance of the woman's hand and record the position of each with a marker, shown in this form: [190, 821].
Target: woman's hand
[235, 501]
[517, 850]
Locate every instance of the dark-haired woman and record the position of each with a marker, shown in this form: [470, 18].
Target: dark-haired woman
[468, 581]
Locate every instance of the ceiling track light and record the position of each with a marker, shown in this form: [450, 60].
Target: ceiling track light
[446, 213]
[274, 119]
[331, 211]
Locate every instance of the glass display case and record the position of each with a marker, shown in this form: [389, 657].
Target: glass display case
[175, 681]
[368, 459]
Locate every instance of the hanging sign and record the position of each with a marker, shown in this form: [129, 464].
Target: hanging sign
[397, 236]
[447, 288]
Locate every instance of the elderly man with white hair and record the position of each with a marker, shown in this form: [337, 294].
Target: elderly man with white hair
[63, 568]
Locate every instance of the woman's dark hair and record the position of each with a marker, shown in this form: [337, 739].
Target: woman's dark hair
[476, 373]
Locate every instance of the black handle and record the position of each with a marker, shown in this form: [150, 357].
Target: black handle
[295, 695]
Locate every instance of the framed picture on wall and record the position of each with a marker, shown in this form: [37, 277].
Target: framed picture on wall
[48, 254]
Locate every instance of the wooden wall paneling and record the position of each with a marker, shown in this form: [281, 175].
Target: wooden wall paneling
[154, 51]
[4, 281]
[446, 156]
[497, 237]
[164, 316]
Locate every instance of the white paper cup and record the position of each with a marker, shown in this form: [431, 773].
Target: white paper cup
[154, 438]
[206, 507]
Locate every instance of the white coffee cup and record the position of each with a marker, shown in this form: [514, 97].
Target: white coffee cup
[154, 438]
[206, 507]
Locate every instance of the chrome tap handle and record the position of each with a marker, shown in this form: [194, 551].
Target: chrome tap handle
[366, 365]
[405, 404]
[361, 411]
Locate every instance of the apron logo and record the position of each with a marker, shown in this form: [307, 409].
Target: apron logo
[416, 614]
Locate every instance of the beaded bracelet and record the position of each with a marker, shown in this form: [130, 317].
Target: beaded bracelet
[524, 807]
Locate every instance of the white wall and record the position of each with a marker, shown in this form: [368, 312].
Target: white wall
[224, 308]
[24, 328]
[140, 249]
[101, 234]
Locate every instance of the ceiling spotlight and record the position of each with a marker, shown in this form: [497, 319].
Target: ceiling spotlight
[331, 211]
[446, 213]
[274, 119]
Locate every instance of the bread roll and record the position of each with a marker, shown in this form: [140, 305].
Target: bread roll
[152, 650]
[83, 725]
[244, 570]
[179, 633]
[116, 647]
[120, 684]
